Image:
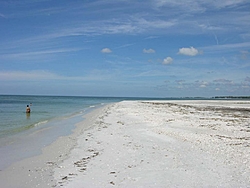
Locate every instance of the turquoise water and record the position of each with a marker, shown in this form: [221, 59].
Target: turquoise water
[24, 135]
[43, 110]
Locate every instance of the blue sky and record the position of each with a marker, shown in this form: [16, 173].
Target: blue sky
[151, 48]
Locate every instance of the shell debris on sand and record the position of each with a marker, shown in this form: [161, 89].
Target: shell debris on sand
[163, 144]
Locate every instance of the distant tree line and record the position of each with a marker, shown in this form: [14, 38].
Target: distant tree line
[231, 97]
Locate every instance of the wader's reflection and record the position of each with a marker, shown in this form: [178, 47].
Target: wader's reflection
[27, 115]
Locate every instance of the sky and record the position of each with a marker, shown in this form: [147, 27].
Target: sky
[128, 48]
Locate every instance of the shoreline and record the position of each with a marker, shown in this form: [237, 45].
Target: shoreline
[31, 142]
[37, 171]
[146, 144]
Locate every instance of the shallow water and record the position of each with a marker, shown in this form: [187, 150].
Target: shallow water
[31, 142]
[24, 135]
[43, 109]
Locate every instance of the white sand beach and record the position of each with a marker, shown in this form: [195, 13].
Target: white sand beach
[146, 144]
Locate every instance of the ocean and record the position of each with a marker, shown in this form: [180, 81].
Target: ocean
[43, 110]
[50, 118]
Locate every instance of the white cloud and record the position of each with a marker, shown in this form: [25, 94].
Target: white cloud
[31, 75]
[167, 60]
[149, 51]
[37, 55]
[42, 75]
[2, 15]
[224, 4]
[125, 45]
[106, 50]
[226, 47]
[153, 24]
[244, 54]
[245, 86]
[223, 81]
[188, 51]
[198, 5]
[203, 85]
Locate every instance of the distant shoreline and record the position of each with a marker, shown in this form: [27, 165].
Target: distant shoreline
[231, 97]
[139, 98]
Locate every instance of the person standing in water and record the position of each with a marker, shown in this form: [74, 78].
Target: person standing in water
[27, 109]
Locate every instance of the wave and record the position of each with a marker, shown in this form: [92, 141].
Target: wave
[21, 129]
[41, 122]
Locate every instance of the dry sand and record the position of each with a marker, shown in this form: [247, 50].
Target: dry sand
[147, 144]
